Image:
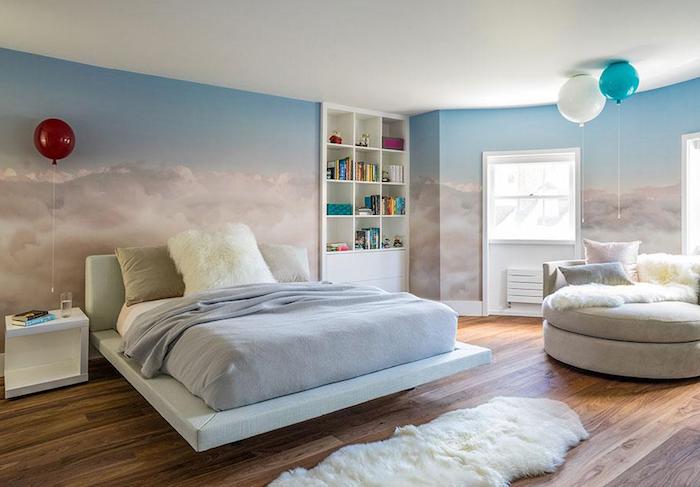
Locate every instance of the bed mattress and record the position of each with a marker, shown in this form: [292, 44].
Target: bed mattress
[247, 344]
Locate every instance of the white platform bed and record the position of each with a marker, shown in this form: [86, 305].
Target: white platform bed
[205, 428]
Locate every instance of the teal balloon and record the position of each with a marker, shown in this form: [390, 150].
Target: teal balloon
[618, 81]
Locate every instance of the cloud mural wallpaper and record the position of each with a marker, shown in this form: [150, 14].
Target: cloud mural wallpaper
[153, 157]
[425, 206]
[652, 125]
[157, 156]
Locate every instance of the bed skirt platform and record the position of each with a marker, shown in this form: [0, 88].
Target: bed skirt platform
[205, 428]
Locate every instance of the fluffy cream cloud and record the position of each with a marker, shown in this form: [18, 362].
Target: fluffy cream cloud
[460, 237]
[425, 239]
[127, 205]
[649, 214]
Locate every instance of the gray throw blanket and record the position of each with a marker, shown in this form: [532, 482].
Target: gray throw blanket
[244, 344]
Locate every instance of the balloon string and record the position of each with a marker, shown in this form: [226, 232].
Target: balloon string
[583, 199]
[619, 134]
[53, 230]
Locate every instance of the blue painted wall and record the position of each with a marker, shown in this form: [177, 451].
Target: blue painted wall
[153, 157]
[652, 125]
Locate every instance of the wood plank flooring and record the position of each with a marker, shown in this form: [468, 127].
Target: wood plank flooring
[643, 433]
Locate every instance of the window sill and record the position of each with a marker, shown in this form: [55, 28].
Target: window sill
[531, 242]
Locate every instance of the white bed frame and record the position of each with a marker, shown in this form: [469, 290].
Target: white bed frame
[205, 428]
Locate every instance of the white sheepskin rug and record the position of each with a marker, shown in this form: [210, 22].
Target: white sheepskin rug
[662, 277]
[487, 446]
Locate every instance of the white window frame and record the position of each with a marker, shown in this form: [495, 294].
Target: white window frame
[486, 215]
[532, 156]
[686, 191]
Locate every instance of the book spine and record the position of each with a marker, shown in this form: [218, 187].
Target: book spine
[36, 321]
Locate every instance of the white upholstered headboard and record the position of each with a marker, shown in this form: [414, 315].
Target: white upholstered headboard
[104, 291]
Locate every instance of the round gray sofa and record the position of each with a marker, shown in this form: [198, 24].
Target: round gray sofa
[644, 340]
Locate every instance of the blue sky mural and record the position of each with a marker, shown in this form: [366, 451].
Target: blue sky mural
[652, 125]
[153, 157]
[133, 117]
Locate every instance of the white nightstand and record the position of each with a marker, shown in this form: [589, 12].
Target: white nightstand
[47, 355]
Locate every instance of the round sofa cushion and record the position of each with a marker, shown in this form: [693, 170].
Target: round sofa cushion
[665, 322]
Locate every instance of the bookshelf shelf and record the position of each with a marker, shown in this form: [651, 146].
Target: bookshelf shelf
[383, 267]
[367, 251]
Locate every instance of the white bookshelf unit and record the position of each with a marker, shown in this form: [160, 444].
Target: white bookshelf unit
[383, 267]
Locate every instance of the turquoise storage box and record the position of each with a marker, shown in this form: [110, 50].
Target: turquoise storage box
[338, 209]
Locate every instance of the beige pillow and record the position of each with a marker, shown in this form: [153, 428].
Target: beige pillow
[288, 263]
[148, 274]
[623, 252]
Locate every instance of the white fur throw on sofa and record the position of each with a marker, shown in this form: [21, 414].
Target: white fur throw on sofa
[226, 257]
[663, 277]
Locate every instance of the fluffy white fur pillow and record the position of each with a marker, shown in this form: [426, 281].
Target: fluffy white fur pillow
[288, 263]
[225, 257]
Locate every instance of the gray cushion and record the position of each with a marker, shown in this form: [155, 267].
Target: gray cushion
[665, 322]
[149, 274]
[610, 274]
[602, 252]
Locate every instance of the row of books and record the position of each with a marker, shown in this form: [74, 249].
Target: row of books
[367, 238]
[366, 171]
[394, 173]
[33, 317]
[340, 170]
[393, 205]
[384, 205]
[373, 204]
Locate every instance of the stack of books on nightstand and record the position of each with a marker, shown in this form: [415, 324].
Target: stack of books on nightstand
[33, 317]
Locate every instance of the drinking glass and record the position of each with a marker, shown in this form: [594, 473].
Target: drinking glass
[66, 304]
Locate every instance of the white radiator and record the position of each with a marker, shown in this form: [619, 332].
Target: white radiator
[524, 286]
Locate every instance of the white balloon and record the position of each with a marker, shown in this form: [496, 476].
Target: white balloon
[580, 99]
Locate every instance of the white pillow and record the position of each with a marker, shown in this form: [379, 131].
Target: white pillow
[603, 252]
[226, 257]
[288, 263]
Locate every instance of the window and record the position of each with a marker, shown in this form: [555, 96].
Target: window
[690, 194]
[532, 196]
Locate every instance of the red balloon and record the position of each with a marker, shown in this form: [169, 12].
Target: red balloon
[54, 139]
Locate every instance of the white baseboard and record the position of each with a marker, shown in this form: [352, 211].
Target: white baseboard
[466, 308]
[2, 365]
[516, 312]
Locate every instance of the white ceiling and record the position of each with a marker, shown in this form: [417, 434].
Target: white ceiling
[395, 55]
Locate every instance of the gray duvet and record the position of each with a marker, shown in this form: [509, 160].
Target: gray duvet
[245, 344]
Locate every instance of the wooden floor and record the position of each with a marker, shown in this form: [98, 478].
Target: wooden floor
[104, 433]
